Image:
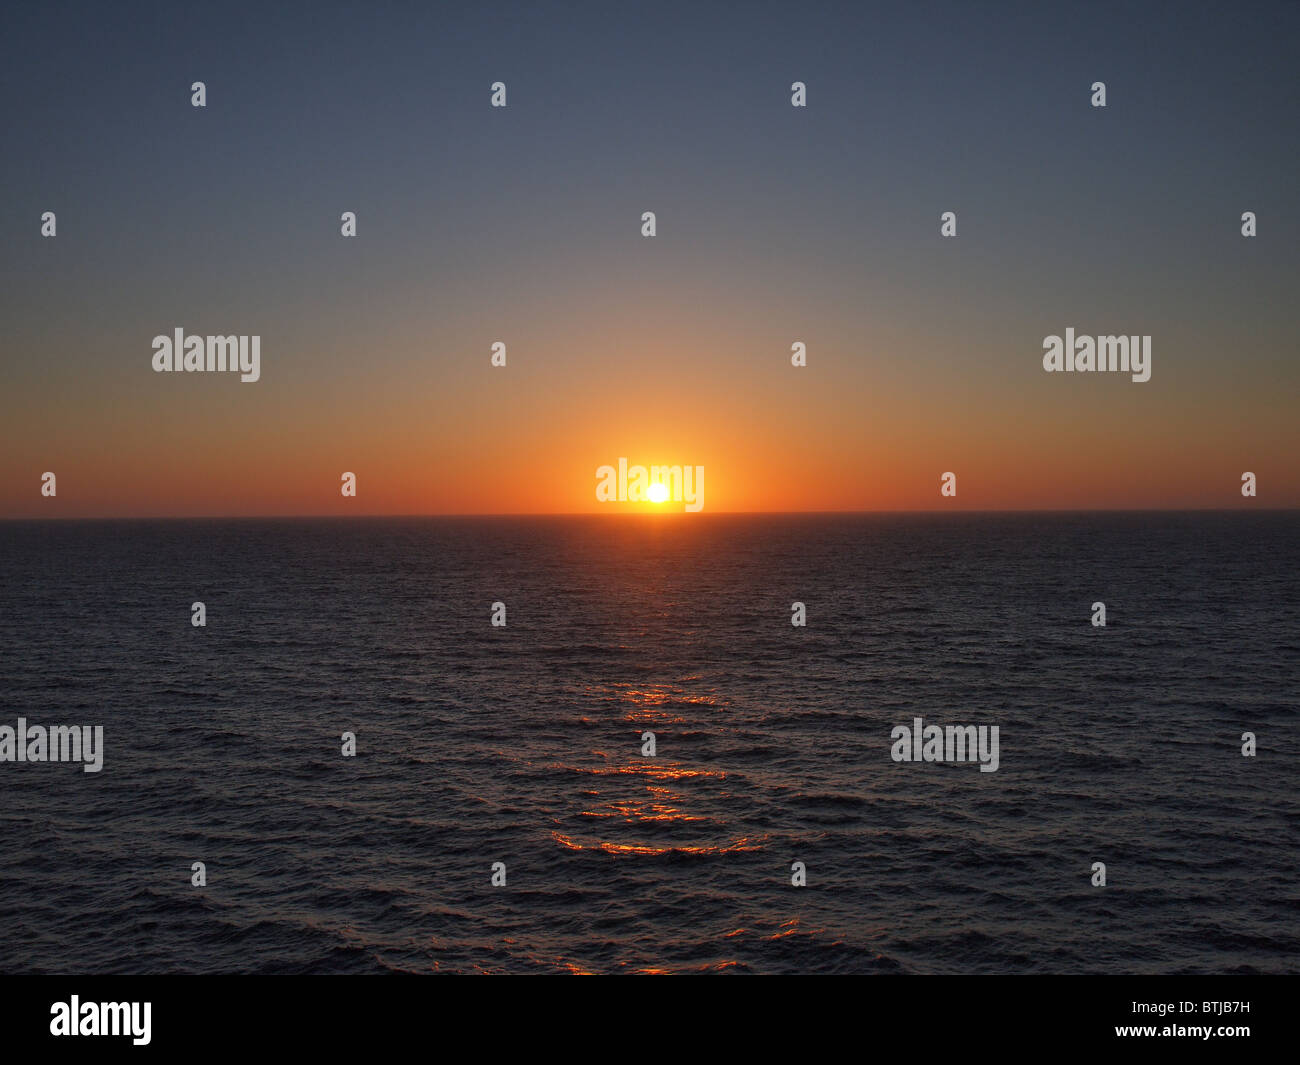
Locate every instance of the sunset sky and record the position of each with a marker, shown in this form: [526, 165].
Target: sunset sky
[523, 225]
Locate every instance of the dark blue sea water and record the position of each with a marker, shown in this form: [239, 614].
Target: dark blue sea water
[522, 744]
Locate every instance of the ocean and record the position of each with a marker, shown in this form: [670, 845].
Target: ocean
[522, 744]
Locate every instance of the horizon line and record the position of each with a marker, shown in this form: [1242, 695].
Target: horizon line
[655, 513]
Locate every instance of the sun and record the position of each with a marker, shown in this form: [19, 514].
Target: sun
[657, 492]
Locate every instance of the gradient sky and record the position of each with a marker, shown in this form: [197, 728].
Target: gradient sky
[522, 225]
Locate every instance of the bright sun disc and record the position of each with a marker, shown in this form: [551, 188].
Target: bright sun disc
[657, 492]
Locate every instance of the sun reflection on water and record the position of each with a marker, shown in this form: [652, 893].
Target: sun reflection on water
[653, 794]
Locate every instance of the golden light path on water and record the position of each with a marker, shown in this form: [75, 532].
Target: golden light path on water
[666, 798]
